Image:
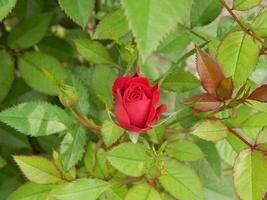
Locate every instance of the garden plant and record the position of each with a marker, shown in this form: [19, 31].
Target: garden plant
[133, 99]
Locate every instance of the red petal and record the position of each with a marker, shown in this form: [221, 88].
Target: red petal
[210, 72]
[121, 113]
[140, 80]
[161, 109]
[119, 84]
[138, 112]
[154, 101]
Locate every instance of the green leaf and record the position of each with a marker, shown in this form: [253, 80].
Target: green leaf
[180, 81]
[238, 54]
[7, 72]
[215, 186]
[42, 72]
[76, 81]
[184, 150]
[211, 130]
[30, 191]
[72, 146]
[142, 191]
[113, 26]
[93, 51]
[29, 32]
[226, 151]
[245, 4]
[261, 139]
[2, 162]
[204, 11]
[181, 182]
[211, 155]
[79, 10]
[56, 47]
[102, 81]
[68, 175]
[5, 7]
[96, 163]
[38, 169]
[111, 132]
[148, 26]
[250, 175]
[254, 123]
[129, 158]
[156, 134]
[83, 189]
[175, 42]
[36, 118]
[259, 25]
[116, 192]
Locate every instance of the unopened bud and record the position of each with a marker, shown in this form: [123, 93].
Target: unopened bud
[68, 95]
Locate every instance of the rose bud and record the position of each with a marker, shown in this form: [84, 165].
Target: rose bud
[135, 103]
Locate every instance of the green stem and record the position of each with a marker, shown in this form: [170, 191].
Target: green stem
[88, 123]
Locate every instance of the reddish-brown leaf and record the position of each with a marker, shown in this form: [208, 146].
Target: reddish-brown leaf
[225, 89]
[204, 102]
[260, 94]
[210, 72]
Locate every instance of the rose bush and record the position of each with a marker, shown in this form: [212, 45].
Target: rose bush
[78, 123]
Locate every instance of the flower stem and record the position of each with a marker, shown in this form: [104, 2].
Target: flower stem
[88, 123]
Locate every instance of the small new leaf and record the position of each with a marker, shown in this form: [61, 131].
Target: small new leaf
[260, 94]
[209, 71]
[204, 102]
[225, 89]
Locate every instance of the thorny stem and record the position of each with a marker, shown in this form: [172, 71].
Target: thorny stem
[246, 30]
[88, 123]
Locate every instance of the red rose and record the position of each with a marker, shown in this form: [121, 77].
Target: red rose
[135, 103]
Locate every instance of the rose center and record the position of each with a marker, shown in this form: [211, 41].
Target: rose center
[135, 94]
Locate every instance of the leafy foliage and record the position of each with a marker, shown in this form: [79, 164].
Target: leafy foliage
[36, 118]
[78, 77]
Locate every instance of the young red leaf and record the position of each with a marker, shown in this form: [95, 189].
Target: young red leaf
[225, 89]
[204, 102]
[209, 71]
[260, 94]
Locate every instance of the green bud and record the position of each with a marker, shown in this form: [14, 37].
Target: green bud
[68, 95]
